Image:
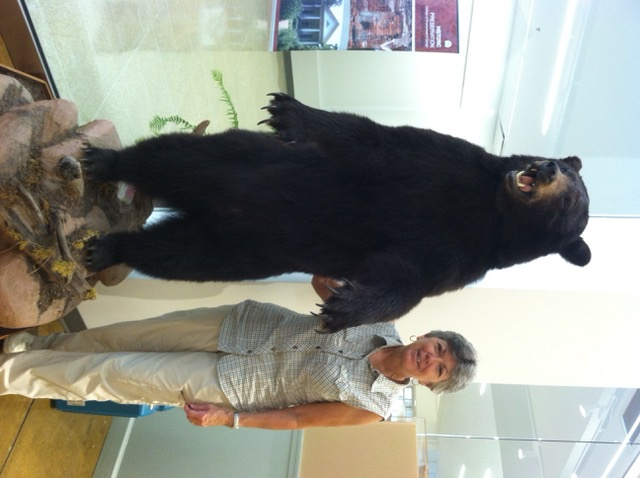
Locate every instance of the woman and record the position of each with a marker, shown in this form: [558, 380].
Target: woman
[249, 365]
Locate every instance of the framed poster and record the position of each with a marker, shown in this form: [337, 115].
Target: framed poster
[387, 25]
[436, 25]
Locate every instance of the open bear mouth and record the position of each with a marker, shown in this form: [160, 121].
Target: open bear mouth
[526, 180]
[537, 174]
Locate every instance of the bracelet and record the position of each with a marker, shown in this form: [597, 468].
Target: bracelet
[236, 420]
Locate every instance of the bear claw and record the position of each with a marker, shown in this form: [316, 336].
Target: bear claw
[99, 254]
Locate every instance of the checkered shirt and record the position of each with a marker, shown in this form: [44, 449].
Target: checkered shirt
[276, 359]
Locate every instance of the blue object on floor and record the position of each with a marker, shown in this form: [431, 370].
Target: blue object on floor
[108, 408]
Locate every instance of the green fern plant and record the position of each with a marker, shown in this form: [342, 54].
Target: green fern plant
[159, 123]
[231, 113]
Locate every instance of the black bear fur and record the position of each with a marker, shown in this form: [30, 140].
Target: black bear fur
[400, 213]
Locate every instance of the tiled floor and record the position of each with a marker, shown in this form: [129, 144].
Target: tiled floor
[126, 60]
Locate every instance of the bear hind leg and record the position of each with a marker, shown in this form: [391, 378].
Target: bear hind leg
[180, 247]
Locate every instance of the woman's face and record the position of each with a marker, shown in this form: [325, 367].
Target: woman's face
[428, 360]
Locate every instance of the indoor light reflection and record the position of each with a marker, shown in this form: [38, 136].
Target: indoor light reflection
[625, 443]
[558, 68]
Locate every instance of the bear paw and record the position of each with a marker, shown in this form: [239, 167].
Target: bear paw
[99, 164]
[287, 118]
[100, 253]
[344, 308]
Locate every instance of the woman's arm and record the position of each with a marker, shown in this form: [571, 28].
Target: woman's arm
[322, 414]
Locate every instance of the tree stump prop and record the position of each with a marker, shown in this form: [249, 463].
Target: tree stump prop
[49, 210]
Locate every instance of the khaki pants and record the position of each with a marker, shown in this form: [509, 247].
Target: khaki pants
[165, 360]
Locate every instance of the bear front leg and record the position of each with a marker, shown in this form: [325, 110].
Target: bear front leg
[290, 118]
[389, 288]
[357, 304]
[295, 122]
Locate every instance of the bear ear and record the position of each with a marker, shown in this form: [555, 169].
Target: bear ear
[577, 253]
[574, 161]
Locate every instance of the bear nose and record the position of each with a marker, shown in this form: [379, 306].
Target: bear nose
[546, 170]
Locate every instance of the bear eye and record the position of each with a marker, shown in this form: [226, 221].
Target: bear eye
[563, 169]
[566, 201]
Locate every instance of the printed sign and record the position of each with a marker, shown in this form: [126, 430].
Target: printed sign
[437, 25]
[386, 25]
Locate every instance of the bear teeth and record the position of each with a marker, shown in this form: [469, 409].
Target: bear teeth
[525, 185]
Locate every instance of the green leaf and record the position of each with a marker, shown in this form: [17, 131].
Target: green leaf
[231, 112]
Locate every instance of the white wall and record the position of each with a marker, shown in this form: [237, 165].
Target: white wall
[456, 94]
[165, 444]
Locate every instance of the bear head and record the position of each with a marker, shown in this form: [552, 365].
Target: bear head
[547, 201]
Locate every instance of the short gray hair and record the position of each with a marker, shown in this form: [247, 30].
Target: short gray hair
[465, 355]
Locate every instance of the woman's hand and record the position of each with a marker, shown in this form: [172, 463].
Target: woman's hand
[208, 415]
